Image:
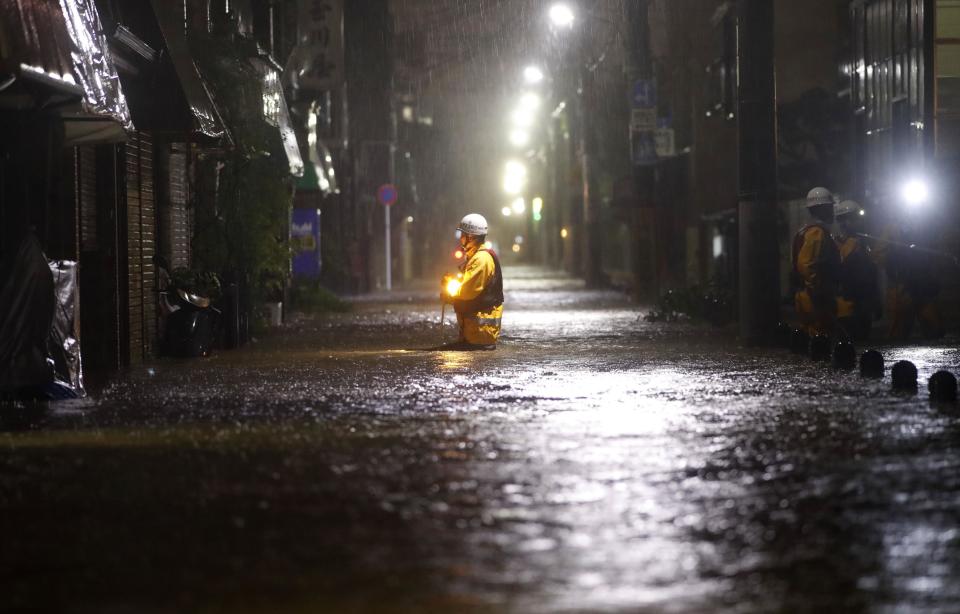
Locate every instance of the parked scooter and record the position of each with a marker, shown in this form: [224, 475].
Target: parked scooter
[191, 323]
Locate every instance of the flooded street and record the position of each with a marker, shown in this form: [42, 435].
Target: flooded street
[593, 462]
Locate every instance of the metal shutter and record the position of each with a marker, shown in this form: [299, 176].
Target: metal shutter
[141, 246]
[173, 217]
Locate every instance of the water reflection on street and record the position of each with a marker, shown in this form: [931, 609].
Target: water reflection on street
[593, 462]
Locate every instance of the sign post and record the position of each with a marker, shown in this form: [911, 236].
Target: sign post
[387, 195]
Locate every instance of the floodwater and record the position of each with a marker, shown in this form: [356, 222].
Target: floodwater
[594, 462]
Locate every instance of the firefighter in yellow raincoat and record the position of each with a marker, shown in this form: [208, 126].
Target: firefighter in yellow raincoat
[816, 263]
[913, 286]
[478, 299]
[857, 298]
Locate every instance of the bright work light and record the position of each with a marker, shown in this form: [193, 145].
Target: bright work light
[915, 192]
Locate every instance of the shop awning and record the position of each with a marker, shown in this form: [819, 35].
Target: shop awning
[53, 55]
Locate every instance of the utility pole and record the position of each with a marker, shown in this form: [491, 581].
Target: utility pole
[592, 265]
[640, 68]
[759, 274]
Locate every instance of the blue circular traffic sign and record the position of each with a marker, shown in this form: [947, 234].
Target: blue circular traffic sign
[387, 194]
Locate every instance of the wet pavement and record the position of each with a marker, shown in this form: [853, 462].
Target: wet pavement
[594, 462]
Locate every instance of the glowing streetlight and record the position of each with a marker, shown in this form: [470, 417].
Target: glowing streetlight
[519, 206]
[519, 138]
[532, 75]
[530, 102]
[561, 15]
[506, 211]
[515, 177]
[522, 118]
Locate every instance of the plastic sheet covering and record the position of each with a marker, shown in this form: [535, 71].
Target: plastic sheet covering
[92, 66]
[288, 136]
[34, 38]
[170, 18]
[26, 312]
[276, 113]
[63, 346]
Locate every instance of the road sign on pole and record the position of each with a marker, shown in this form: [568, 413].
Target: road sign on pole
[386, 196]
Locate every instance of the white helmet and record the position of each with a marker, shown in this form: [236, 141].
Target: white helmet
[846, 208]
[819, 196]
[473, 224]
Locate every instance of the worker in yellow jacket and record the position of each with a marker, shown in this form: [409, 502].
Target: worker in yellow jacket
[913, 284]
[816, 263]
[478, 298]
[857, 298]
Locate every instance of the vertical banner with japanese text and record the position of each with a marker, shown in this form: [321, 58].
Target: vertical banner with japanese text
[320, 41]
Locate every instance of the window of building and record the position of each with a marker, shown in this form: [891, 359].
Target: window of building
[947, 82]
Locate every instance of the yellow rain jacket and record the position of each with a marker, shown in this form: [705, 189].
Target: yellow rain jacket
[816, 263]
[479, 302]
[858, 279]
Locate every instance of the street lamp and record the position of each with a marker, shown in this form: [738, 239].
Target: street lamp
[530, 102]
[522, 118]
[561, 15]
[519, 138]
[532, 75]
[514, 178]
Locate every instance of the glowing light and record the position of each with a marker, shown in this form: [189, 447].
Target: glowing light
[453, 287]
[530, 102]
[458, 254]
[518, 239]
[522, 118]
[506, 211]
[519, 206]
[519, 138]
[915, 192]
[537, 204]
[564, 233]
[561, 15]
[516, 248]
[532, 75]
[409, 219]
[488, 245]
[515, 177]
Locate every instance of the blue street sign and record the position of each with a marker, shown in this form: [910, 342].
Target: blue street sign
[644, 93]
